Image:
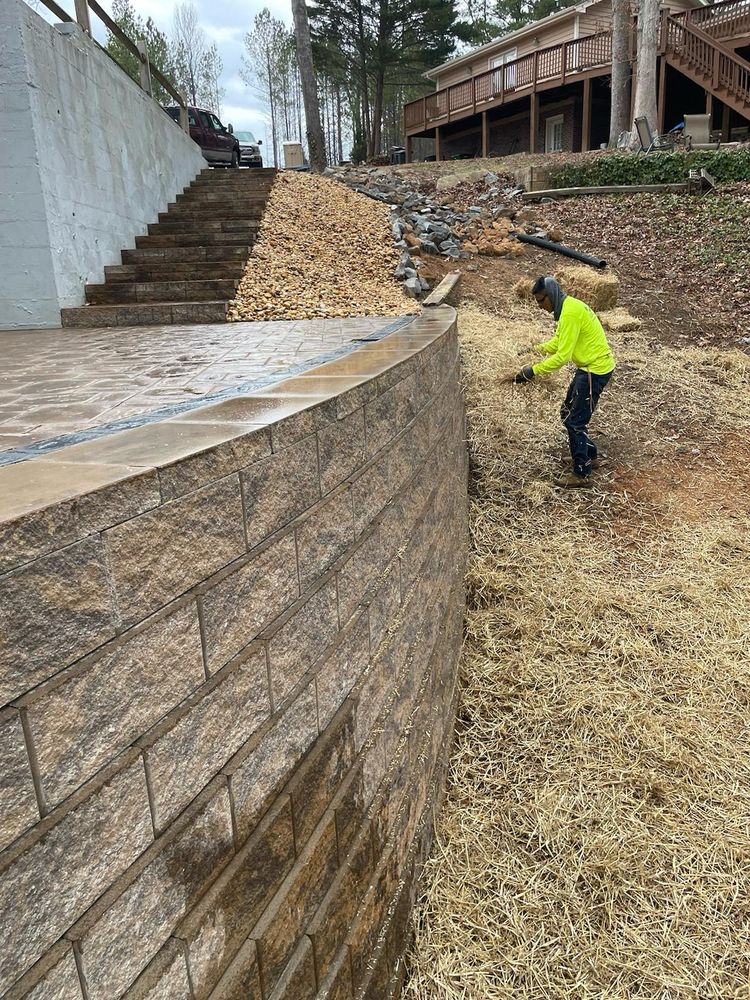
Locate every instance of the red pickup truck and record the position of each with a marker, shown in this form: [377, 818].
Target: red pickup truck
[217, 143]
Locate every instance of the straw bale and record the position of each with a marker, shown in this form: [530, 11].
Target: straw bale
[619, 320]
[594, 842]
[599, 289]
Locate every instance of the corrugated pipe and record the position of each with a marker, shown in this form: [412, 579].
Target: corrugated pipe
[585, 258]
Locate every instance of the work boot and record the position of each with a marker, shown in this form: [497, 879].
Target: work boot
[570, 481]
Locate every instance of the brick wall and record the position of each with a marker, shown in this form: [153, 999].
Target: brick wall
[229, 686]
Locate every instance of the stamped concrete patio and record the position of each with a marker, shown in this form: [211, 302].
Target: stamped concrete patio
[60, 387]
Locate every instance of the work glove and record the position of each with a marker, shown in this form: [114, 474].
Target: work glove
[526, 374]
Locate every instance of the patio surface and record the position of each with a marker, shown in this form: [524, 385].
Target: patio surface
[60, 387]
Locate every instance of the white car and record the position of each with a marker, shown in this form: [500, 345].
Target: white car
[249, 149]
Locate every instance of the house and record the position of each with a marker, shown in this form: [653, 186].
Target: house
[546, 86]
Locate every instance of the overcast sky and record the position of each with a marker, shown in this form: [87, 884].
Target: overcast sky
[225, 22]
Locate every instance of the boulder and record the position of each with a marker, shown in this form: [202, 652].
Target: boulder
[413, 287]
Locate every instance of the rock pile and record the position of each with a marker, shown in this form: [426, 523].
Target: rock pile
[322, 251]
[459, 215]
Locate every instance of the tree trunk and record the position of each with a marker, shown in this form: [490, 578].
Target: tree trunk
[377, 114]
[645, 82]
[338, 124]
[315, 142]
[619, 120]
[272, 105]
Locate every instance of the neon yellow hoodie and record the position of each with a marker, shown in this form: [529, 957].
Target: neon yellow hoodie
[579, 338]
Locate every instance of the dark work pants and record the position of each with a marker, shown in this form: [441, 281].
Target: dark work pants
[580, 402]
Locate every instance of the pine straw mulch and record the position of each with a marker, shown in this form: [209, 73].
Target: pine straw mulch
[322, 251]
[595, 841]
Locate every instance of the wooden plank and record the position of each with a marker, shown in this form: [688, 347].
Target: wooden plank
[533, 122]
[485, 135]
[82, 15]
[440, 292]
[58, 11]
[575, 192]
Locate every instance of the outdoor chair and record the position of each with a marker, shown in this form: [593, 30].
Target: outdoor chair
[697, 132]
[649, 141]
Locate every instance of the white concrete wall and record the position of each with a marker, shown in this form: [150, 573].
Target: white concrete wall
[92, 161]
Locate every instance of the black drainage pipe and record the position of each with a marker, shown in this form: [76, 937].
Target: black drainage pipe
[585, 258]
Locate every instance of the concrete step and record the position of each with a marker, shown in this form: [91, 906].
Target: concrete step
[196, 270]
[147, 314]
[179, 213]
[208, 226]
[184, 255]
[224, 198]
[195, 240]
[207, 290]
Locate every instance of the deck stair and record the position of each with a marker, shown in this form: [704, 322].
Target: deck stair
[186, 269]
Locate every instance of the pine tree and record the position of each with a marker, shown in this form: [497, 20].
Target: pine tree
[157, 44]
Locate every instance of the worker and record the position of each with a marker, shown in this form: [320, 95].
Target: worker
[579, 338]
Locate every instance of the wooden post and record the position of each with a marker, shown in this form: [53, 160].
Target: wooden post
[437, 143]
[144, 69]
[184, 122]
[485, 135]
[586, 130]
[662, 101]
[82, 15]
[408, 155]
[563, 60]
[726, 115]
[709, 106]
[534, 122]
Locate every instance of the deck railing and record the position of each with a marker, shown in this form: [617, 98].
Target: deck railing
[147, 69]
[726, 19]
[555, 63]
[718, 65]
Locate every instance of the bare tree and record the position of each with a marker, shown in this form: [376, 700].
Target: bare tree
[315, 142]
[648, 43]
[619, 120]
[211, 92]
[189, 45]
[265, 45]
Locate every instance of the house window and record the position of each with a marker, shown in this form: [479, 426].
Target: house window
[509, 83]
[553, 142]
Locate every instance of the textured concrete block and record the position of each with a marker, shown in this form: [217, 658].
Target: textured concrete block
[54, 977]
[18, 808]
[338, 983]
[389, 413]
[316, 781]
[364, 933]
[68, 862]
[211, 464]
[376, 685]
[358, 572]
[279, 488]
[323, 535]
[385, 606]
[297, 639]
[83, 719]
[349, 807]
[284, 922]
[265, 767]
[331, 924]
[52, 611]
[165, 979]
[62, 523]
[126, 929]
[161, 554]
[298, 981]
[217, 928]
[343, 668]
[241, 978]
[341, 450]
[191, 746]
[237, 606]
[371, 491]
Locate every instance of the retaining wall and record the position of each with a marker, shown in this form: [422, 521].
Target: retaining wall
[228, 659]
[87, 161]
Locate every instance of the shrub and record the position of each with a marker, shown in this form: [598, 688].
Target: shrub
[653, 168]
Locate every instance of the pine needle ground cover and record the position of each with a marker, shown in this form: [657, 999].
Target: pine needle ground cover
[595, 839]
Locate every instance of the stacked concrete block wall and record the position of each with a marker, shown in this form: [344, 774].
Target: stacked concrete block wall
[229, 684]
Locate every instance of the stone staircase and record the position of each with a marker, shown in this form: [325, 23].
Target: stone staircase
[188, 267]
